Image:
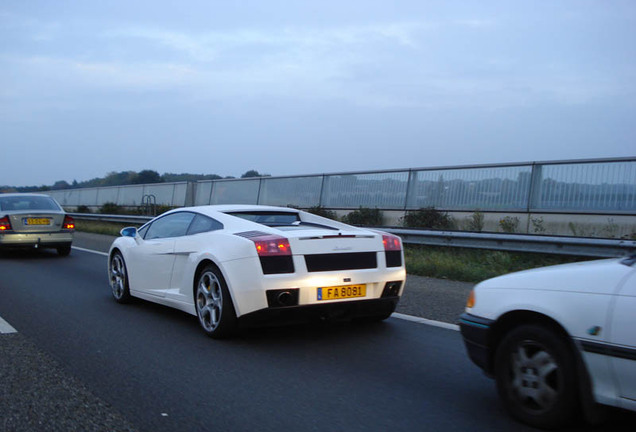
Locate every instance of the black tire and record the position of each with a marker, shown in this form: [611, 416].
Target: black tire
[535, 372]
[118, 278]
[214, 307]
[64, 250]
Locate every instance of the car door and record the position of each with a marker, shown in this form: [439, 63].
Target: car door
[151, 261]
[623, 338]
[195, 241]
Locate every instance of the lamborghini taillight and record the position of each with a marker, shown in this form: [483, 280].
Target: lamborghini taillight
[274, 254]
[392, 250]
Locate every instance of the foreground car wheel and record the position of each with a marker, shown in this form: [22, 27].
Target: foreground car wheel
[214, 306]
[535, 373]
[119, 278]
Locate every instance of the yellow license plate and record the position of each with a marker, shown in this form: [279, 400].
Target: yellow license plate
[342, 292]
[37, 221]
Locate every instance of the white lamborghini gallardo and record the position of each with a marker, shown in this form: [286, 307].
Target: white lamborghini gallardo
[241, 265]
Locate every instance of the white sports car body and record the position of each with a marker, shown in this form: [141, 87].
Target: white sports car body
[557, 338]
[235, 264]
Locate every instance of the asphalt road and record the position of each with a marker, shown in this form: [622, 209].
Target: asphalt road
[80, 361]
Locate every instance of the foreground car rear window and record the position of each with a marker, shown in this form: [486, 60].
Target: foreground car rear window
[268, 218]
[27, 203]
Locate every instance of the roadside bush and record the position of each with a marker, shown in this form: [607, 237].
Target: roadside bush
[321, 211]
[537, 225]
[110, 208]
[364, 216]
[83, 209]
[475, 222]
[429, 218]
[509, 224]
[162, 208]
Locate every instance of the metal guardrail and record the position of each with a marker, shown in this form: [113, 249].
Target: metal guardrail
[111, 218]
[580, 246]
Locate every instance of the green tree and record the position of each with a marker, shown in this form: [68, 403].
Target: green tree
[60, 184]
[147, 176]
[253, 173]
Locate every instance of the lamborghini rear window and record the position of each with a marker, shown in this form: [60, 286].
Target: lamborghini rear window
[268, 218]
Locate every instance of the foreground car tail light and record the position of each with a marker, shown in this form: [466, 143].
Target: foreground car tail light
[271, 245]
[392, 250]
[274, 253]
[5, 224]
[391, 242]
[69, 223]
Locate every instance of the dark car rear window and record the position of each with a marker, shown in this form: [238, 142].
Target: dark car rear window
[17, 203]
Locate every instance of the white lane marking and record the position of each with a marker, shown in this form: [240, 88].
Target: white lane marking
[5, 327]
[90, 250]
[418, 320]
[425, 321]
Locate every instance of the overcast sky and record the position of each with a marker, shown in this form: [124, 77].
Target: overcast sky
[307, 87]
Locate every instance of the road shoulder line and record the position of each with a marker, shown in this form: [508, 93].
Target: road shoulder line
[420, 320]
[90, 251]
[5, 327]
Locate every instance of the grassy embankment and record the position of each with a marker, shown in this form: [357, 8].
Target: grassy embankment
[470, 265]
[108, 228]
[474, 265]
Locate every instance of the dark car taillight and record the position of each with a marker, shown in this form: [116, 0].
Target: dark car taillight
[274, 253]
[5, 224]
[69, 223]
[392, 250]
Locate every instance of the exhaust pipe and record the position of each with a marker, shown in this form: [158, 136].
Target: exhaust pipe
[282, 298]
[285, 298]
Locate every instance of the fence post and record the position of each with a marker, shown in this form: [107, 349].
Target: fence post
[191, 190]
[534, 194]
[324, 191]
[258, 194]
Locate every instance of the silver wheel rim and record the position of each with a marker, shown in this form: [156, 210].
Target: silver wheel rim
[536, 380]
[209, 301]
[118, 276]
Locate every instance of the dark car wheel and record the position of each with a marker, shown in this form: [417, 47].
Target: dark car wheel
[213, 303]
[536, 377]
[118, 278]
[64, 250]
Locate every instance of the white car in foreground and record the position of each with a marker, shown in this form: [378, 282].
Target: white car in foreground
[558, 340]
[243, 265]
